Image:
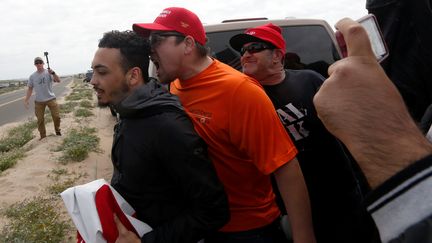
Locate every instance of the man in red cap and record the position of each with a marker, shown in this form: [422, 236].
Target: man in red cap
[245, 138]
[332, 177]
[161, 165]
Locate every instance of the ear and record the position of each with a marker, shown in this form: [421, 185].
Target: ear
[277, 56]
[134, 77]
[189, 44]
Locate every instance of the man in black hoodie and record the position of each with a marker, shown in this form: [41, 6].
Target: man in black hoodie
[160, 164]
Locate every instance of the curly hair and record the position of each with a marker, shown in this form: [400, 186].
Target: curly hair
[134, 49]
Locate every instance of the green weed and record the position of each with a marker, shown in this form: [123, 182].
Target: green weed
[35, 220]
[78, 143]
[80, 93]
[86, 104]
[59, 172]
[9, 159]
[18, 136]
[62, 180]
[68, 107]
[83, 112]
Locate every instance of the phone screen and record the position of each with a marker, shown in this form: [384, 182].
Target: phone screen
[375, 36]
[378, 44]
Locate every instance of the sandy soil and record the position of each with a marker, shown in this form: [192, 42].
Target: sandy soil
[29, 177]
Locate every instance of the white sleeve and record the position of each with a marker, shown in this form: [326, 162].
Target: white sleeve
[403, 200]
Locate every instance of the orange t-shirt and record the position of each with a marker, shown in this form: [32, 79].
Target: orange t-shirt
[245, 139]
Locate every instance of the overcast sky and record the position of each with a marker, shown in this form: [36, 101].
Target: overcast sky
[70, 30]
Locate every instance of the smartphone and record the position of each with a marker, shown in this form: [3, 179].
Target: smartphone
[376, 38]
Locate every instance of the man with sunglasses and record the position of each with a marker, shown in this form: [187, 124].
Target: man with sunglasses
[161, 166]
[246, 141]
[335, 183]
[42, 81]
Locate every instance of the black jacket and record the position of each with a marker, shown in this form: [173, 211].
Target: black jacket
[162, 169]
[407, 29]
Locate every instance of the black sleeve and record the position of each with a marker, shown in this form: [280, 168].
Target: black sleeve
[184, 154]
[426, 120]
[402, 204]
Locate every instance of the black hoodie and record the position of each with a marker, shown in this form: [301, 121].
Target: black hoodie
[162, 169]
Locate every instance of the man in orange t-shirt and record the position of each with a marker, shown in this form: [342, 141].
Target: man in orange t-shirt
[246, 141]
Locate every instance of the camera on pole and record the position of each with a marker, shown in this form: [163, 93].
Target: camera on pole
[46, 56]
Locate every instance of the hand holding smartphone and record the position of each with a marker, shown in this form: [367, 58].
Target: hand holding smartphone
[376, 38]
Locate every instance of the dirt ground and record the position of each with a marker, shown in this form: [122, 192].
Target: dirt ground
[29, 177]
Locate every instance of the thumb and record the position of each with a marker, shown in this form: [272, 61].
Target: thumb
[120, 227]
[356, 38]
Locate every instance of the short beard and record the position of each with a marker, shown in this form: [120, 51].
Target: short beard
[103, 105]
[117, 96]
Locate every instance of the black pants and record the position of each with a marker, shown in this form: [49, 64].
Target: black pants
[271, 233]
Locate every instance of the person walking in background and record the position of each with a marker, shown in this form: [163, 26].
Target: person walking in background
[333, 179]
[161, 166]
[246, 140]
[41, 82]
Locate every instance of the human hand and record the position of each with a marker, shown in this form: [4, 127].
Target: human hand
[125, 236]
[357, 87]
[51, 71]
[360, 105]
[26, 104]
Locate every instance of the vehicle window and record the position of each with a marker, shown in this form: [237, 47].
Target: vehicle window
[308, 47]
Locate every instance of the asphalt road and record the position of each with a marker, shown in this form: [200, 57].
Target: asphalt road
[12, 107]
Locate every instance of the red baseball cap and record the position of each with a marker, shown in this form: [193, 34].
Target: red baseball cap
[175, 19]
[268, 33]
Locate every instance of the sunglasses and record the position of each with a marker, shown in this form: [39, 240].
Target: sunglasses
[156, 38]
[254, 48]
[38, 62]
